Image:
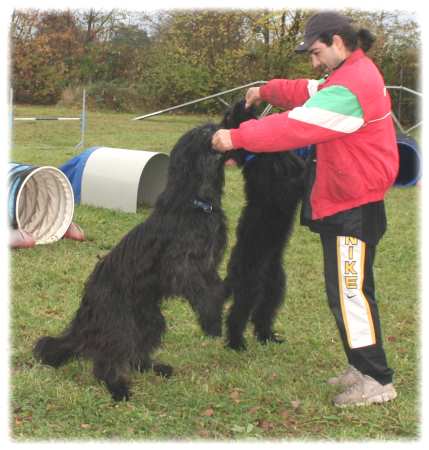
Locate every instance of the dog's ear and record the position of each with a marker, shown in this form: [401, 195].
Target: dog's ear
[237, 114]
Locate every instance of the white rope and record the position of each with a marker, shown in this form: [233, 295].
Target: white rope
[28, 119]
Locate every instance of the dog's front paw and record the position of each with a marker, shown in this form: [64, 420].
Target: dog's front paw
[163, 370]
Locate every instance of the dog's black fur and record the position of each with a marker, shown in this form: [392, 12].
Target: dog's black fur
[175, 252]
[255, 277]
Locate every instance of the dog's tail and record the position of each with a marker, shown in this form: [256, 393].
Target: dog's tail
[54, 351]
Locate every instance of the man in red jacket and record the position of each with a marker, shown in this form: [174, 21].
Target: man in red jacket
[346, 118]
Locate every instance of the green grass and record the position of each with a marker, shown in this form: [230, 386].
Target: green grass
[273, 392]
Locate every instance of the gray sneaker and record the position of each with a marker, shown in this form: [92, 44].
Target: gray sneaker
[365, 392]
[348, 378]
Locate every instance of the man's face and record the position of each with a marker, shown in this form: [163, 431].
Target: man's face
[325, 58]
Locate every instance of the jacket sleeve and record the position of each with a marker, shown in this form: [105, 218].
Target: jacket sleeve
[329, 114]
[288, 94]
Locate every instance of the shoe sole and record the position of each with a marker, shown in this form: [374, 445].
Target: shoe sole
[332, 382]
[378, 399]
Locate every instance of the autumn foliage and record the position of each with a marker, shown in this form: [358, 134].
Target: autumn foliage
[141, 61]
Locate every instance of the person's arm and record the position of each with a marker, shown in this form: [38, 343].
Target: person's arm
[288, 94]
[329, 114]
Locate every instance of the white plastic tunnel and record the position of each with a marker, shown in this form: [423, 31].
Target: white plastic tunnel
[40, 201]
[123, 179]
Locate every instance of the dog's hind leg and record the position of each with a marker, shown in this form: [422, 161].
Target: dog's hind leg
[207, 294]
[114, 377]
[236, 324]
[227, 287]
[151, 326]
[264, 314]
[245, 294]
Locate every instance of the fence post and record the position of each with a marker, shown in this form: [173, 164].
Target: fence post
[82, 122]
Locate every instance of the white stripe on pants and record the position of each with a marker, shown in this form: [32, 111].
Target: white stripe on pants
[354, 305]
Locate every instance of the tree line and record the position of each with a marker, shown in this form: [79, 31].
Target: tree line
[139, 61]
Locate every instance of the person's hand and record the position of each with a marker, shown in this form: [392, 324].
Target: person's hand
[253, 97]
[221, 141]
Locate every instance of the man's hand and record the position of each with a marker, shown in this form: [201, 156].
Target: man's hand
[221, 141]
[253, 97]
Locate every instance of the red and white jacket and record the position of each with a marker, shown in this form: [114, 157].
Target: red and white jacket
[348, 116]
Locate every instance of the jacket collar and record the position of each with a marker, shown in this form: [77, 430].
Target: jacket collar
[352, 58]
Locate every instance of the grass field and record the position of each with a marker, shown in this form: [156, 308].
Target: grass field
[273, 392]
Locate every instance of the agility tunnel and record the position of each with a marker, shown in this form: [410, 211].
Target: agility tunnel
[410, 162]
[117, 178]
[40, 201]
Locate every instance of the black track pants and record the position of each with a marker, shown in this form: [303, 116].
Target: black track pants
[349, 280]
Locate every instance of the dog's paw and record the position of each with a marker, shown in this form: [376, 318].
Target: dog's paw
[213, 330]
[214, 333]
[163, 370]
[120, 393]
[270, 338]
[238, 346]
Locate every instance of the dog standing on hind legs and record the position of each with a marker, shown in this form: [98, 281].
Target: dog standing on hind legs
[175, 252]
[274, 185]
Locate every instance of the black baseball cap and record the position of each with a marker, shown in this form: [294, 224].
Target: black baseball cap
[327, 21]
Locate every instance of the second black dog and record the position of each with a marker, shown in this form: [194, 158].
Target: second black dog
[255, 276]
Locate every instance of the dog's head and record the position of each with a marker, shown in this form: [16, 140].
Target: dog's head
[195, 165]
[232, 119]
[236, 114]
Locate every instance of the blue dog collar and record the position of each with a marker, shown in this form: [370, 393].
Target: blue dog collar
[205, 206]
[249, 157]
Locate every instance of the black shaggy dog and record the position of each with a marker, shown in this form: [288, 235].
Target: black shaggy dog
[175, 252]
[255, 276]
